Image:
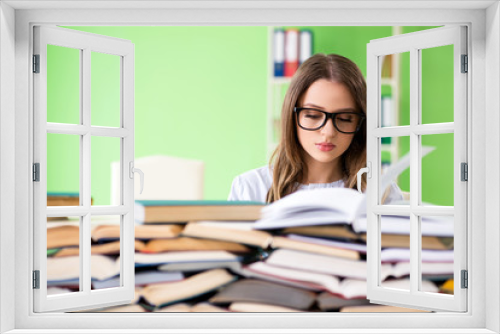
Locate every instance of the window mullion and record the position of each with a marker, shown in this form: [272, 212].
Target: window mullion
[85, 167]
[414, 168]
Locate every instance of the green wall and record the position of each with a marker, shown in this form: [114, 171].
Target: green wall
[200, 92]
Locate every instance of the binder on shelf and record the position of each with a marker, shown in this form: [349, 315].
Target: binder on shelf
[291, 52]
[279, 52]
[305, 43]
[386, 104]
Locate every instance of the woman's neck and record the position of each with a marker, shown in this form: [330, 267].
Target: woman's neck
[318, 172]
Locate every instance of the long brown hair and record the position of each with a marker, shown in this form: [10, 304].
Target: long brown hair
[288, 161]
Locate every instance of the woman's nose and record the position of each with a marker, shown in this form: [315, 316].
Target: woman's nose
[329, 129]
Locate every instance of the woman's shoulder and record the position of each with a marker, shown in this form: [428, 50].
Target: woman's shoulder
[252, 185]
[263, 174]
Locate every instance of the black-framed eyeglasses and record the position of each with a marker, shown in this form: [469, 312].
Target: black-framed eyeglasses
[313, 119]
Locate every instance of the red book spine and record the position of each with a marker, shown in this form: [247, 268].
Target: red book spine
[291, 52]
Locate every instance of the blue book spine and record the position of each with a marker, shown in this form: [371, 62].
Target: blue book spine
[279, 52]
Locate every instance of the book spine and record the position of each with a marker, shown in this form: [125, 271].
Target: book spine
[305, 44]
[279, 52]
[291, 52]
[386, 105]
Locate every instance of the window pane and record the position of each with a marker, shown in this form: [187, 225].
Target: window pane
[394, 153]
[437, 258]
[437, 84]
[106, 89]
[63, 85]
[395, 101]
[63, 170]
[437, 170]
[63, 261]
[395, 252]
[105, 260]
[104, 151]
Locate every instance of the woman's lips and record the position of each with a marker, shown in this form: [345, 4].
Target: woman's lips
[325, 147]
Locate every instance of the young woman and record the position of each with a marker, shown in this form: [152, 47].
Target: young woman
[323, 135]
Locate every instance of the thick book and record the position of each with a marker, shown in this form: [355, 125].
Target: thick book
[192, 244]
[342, 232]
[260, 239]
[332, 235]
[327, 301]
[142, 278]
[351, 268]
[63, 236]
[63, 199]
[332, 249]
[185, 211]
[109, 248]
[143, 260]
[159, 295]
[68, 268]
[201, 265]
[219, 232]
[324, 264]
[354, 247]
[142, 232]
[259, 307]
[257, 291]
[402, 241]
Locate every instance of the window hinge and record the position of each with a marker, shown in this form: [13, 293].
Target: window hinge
[36, 63]
[465, 64]
[36, 172]
[464, 172]
[465, 279]
[36, 279]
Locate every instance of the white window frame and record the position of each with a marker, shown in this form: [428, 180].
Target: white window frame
[86, 44]
[414, 43]
[484, 213]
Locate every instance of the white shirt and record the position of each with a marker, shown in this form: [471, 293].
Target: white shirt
[255, 184]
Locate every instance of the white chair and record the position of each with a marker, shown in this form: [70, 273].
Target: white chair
[165, 178]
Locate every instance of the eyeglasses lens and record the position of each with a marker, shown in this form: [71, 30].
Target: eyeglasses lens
[344, 122]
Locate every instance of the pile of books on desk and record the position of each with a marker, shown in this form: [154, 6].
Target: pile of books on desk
[289, 256]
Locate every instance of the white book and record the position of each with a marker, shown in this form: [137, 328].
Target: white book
[183, 256]
[331, 243]
[428, 268]
[427, 255]
[348, 288]
[324, 264]
[438, 226]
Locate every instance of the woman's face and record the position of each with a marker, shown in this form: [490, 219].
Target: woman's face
[326, 144]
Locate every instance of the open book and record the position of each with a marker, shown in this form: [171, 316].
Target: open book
[331, 206]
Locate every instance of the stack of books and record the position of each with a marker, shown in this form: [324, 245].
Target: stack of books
[304, 253]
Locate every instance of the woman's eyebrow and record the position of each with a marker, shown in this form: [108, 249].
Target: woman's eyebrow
[319, 107]
[313, 105]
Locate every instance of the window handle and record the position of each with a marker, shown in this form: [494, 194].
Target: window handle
[136, 170]
[366, 170]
